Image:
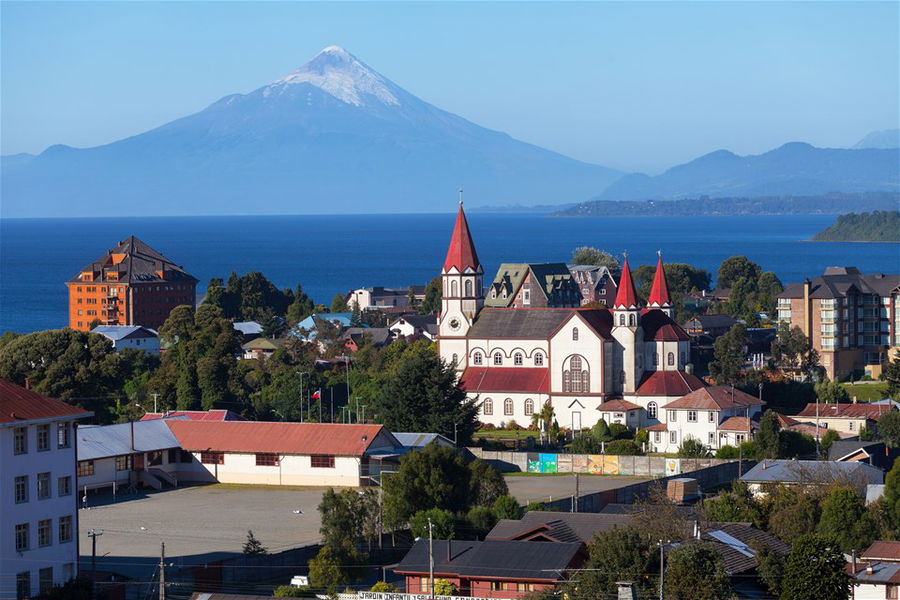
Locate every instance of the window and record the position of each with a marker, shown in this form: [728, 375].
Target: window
[43, 438]
[123, 463]
[852, 425]
[657, 437]
[498, 358]
[321, 461]
[63, 439]
[21, 489]
[673, 437]
[529, 406]
[43, 486]
[154, 458]
[631, 320]
[23, 585]
[539, 360]
[85, 468]
[508, 407]
[44, 526]
[487, 407]
[454, 289]
[517, 359]
[476, 358]
[652, 410]
[692, 416]
[671, 359]
[469, 293]
[622, 320]
[712, 438]
[212, 458]
[739, 438]
[21, 537]
[424, 585]
[45, 579]
[20, 440]
[574, 334]
[673, 416]
[267, 460]
[64, 486]
[526, 296]
[65, 529]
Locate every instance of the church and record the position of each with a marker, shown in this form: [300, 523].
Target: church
[626, 364]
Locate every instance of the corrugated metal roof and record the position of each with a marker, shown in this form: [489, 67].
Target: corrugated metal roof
[18, 405]
[846, 411]
[107, 441]
[506, 379]
[668, 383]
[420, 440]
[120, 332]
[882, 550]
[196, 415]
[811, 471]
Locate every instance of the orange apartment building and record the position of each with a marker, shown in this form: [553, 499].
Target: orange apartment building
[132, 284]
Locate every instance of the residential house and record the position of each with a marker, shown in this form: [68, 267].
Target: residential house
[379, 297]
[132, 284]
[872, 453]
[357, 337]
[876, 575]
[38, 503]
[843, 417]
[249, 329]
[529, 285]
[260, 348]
[709, 325]
[414, 325]
[596, 284]
[133, 336]
[811, 473]
[308, 329]
[851, 318]
[559, 527]
[490, 568]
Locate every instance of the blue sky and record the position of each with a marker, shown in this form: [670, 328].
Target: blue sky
[637, 86]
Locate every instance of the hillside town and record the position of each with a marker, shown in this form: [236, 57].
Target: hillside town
[582, 429]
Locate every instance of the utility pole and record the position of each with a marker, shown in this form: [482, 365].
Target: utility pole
[661, 572]
[155, 397]
[162, 571]
[431, 558]
[94, 534]
[575, 499]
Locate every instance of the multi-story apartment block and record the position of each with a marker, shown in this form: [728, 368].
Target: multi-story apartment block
[132, 284]
[38, 492]
[852, 319]
[596, 283]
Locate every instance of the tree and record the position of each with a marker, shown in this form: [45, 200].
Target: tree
[339, 303]
[507, 507]
[480, 520]
[253, 545]
[691, 447]
[792, 350]
[736, 504]
[347, 518]
[325, 571]
[442, 524]
[767, 291]
[622, 554]
[300, 308]
[434, 477]
[792, 513]
[696, 572]
[889, 428]
[356, 319]
[588, 255]
[844, 520]
[734, 268]
[486, 483]
[728, 351]
[432, 302]
[827, 439]
[771, 569]
[891, 374]
[831, 391]
[444, 587]
[681, 279]
[600, 432]
[421, 393]
[890, 500]
[768, 438]
[815, 571]
[543, 419]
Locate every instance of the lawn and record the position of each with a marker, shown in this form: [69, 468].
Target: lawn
[507, 434]
[866, 391]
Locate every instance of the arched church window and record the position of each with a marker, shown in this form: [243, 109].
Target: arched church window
[631, 320]
[476, 358]
[498, 358]
[622, 320]
[517, 359]
[652, 410]
[671, 358]
[454, 289]
[529, 406]
[567, 381]
[508, 407]
[585, 382]
[575, 363]
[469, 293]
[574, 334]
[487, 407]
[576, 378]
[539, 360]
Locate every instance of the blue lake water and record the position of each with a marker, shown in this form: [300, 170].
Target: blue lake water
[328, 254]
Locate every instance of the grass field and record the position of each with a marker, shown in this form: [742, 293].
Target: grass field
[506, 434]
[866, 391]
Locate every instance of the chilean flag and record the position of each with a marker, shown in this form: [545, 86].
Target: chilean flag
[317, 394]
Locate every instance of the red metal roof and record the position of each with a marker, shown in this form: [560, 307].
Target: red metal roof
[20, 405]
[618, 405]
[715, 398]
[736, 424]
[668, 383]
[506, 379]
[659, 293]
[196, 415]
[281, 438]
[882, 550]
[461, 253]
[659, 327]
[657, 427]
[847, 411]
[625, 296]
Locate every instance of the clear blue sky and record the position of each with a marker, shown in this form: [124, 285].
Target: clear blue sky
[638, 86]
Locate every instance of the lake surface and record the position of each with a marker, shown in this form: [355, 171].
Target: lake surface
[333, 253]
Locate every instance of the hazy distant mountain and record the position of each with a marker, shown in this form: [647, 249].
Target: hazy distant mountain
[793, 169]
[886, 138]
[332, 136]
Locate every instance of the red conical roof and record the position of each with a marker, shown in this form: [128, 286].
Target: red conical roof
[461, 253]
[625, 296]
[659, 293]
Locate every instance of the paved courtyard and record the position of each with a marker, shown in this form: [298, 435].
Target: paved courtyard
[542, 488]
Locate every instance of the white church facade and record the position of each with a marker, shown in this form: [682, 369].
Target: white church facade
[627, 364]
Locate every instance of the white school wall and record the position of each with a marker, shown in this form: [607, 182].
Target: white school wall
[293, 469]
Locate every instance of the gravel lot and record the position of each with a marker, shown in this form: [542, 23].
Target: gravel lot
[528, 488]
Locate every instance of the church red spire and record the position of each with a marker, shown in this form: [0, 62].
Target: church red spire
[625, 296]
[461, 253]
[659, 293]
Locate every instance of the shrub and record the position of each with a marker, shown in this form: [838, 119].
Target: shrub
[692, 448]
[480, 520]
[507, 507]
[620, 432]
[442, 587]
[624, 448]
[727, 452]
[287, 591]
[536, 506]
[382, 586]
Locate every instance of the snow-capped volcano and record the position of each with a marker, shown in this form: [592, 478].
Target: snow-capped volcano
[336, 71]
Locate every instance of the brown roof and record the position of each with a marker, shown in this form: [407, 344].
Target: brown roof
[839, 282]
[668, 383]
[282, 438]
[845, 411]
[810, 429]
[618, 405]
[715, 398]
[657, 427]
[736, 424]
[18, 405]
[134, 262]
[556, 526]
[882, 550]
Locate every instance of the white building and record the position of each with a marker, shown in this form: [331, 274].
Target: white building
[130, 336]
[410, 325]
[38, 504]
[622, 364]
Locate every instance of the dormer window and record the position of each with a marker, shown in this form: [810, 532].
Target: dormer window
[574, 334]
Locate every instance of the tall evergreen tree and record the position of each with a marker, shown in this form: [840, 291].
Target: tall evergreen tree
[728, 351]
[815, 571]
